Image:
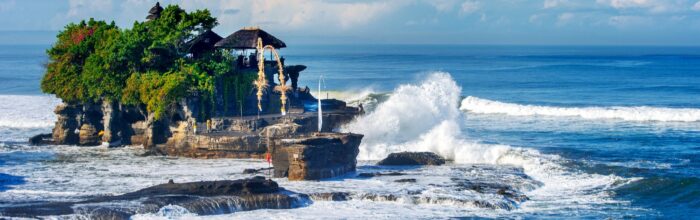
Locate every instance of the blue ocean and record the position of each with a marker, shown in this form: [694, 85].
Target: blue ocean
[585, 132]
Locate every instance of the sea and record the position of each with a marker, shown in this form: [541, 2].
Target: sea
[583, 132]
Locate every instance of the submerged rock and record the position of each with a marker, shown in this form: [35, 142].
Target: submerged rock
[410, 180]
[330, 196]
[412, 158]
[202, 198]
[369, 175]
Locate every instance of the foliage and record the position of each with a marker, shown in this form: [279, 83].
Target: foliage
[239, 85]
[145, 65]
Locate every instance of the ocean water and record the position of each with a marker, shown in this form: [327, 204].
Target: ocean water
[582, 132]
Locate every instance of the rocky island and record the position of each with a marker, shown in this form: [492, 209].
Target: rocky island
[177, 88]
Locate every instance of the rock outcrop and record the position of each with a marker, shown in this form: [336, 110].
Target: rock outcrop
[91, 124]
[412, 158]
[41, 139]
[202, 198]
[316, 157]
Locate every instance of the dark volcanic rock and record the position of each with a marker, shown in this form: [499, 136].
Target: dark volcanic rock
[411, 180]
[203, 198]
[369, 175]
[254, 171]
[412, 158]
[330, 196]
[41, 139]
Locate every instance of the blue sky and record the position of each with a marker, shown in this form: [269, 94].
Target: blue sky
[539, 22]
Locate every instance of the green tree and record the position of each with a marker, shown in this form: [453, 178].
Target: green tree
[145, 65]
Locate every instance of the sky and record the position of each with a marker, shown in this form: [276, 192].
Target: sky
[507, 22]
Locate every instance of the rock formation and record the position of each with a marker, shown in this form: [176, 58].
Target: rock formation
[202, 198]
[412, 158]
[316, 157]
[91, 124]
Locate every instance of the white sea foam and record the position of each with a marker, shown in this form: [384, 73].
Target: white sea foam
[637, 113]
[27, 111]
[425, 117]
[167, 212]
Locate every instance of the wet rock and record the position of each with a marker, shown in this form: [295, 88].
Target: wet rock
[281, 130]
[410, 180]
[491, 188]
[330, 196]
[250, 171]
[412, 158]
[254, 171]
[370, 175]
[380, 197]
[316, 157]
[88, 135]
[66, 123]
[41, 139]
[203, 198]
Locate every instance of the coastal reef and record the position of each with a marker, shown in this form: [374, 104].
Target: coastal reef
[201, 198]
[412, 158]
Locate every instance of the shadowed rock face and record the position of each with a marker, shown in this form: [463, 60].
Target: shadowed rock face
[412, 158]
[203, 198]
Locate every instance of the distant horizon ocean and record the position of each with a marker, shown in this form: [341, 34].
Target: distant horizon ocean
[582, 131]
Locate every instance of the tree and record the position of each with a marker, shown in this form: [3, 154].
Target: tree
[146, 65]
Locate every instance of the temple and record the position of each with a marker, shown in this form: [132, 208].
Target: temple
[253, 114]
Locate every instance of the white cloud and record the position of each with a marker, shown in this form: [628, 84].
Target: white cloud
[443, 5]
[554, 3]
[654, 6]
[565, 18]
[292, 14]
[536, 18]
[469, 7]
[233, 14]
[87, 7]
[623, 21]
[696, 6]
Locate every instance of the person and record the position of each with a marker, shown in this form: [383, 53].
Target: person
[208, 125]
[253, 59]
[239, 61]
[194, 127]
[362, 109]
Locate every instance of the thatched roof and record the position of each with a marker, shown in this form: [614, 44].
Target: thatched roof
[154, 12]
[203, 42]
[247, 39]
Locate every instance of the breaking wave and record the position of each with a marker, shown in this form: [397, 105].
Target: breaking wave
[637, 113]
[27, 111]
[426, 117]
[167, 212]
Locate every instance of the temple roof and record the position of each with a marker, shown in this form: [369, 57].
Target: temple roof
[154, 12]
[203, 42]
[246, 38]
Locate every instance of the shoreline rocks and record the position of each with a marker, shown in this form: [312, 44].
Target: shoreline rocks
[412, 158]
[174, 134]
[202, 198]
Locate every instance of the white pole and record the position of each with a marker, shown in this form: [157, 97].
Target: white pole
[320, 109]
